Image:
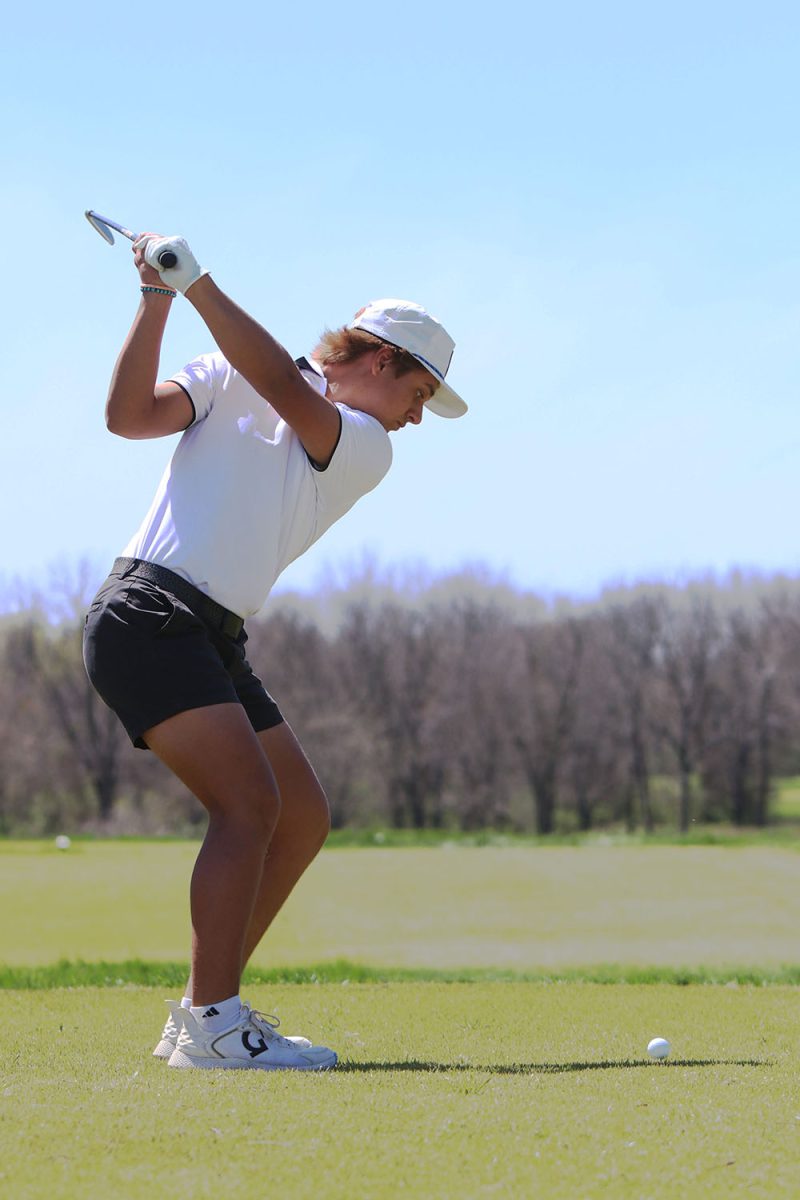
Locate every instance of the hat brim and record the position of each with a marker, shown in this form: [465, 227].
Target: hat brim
[445, 402]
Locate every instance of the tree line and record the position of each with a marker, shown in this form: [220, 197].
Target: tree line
[462, 704]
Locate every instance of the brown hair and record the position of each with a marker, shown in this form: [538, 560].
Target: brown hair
[346, 345]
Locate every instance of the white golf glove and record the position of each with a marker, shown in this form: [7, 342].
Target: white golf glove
[186, 271]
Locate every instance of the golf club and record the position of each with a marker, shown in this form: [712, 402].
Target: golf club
[104, 225]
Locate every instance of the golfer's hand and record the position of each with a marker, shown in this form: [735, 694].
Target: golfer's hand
[148, 275]
[186, 271]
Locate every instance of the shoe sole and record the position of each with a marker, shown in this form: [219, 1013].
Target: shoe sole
[183, 1061]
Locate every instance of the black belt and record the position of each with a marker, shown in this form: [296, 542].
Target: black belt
[227, 622]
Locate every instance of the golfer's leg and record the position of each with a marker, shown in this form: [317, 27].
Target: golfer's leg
[215, 752]
[303, 825]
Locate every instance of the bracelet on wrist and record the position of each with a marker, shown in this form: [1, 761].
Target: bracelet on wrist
[159, 291]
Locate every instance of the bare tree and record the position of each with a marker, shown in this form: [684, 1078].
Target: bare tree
[92, 733]
[632, 633]
[474, 732]
[392, 663]
[737, 760]
[595, 772]
[546, 681]
[682, 693]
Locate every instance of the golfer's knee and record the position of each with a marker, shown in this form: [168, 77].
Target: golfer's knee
[266, 817]
[320, 822]
[251, 816]
[266, 814]
[304, 832]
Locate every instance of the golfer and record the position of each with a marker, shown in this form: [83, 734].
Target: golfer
[273, 452]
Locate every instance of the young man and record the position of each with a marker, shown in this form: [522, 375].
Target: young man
[273, 452]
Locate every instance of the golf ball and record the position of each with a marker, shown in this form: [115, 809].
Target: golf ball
[658, 1048]
[63, 842]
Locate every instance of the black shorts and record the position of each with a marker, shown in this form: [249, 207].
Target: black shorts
[154, 646]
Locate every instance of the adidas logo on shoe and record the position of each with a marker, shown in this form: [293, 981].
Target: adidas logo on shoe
[211, 1012]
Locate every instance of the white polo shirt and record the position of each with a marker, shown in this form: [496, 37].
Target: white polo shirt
[240, 498]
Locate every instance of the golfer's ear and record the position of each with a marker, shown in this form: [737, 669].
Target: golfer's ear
[383, 356]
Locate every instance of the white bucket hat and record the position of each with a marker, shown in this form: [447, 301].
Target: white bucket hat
[409, 327]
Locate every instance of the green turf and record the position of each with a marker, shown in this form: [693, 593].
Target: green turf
[786, 806]
[444, 1091]
[77, 973]
[446, 1088]
[516, 908]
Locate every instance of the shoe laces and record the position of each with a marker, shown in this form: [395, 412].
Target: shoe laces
[266, 1024]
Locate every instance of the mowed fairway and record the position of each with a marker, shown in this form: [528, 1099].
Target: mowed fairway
[444, 1090]
[516, 907]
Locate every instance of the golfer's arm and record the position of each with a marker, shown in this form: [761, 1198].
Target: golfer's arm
[138, 407]
[268, 368]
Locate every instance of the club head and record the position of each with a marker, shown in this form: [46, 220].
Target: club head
[97, 223]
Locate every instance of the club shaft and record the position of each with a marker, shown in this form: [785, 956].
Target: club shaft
[114, 225]
[166, 258]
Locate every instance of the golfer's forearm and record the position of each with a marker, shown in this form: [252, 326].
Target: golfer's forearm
[130, 395]
[246, 345]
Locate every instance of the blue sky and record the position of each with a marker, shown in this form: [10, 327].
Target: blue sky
[600, 202]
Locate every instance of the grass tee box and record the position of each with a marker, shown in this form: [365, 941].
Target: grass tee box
[447, 1091]
[444, 1090]
[516, 908]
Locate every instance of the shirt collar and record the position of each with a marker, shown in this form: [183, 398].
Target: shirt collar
[309, 366]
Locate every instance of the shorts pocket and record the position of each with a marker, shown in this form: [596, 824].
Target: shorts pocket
[107, 590]
[157, 612]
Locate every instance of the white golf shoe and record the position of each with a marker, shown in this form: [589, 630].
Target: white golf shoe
[171, 1032]
[250, 1043]
[174, 1025]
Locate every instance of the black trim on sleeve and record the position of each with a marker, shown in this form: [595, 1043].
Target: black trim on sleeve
[318, 466]
[303, 364]
[189, 398]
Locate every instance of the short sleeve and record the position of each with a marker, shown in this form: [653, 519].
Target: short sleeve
[362, 457]
[199, 379]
